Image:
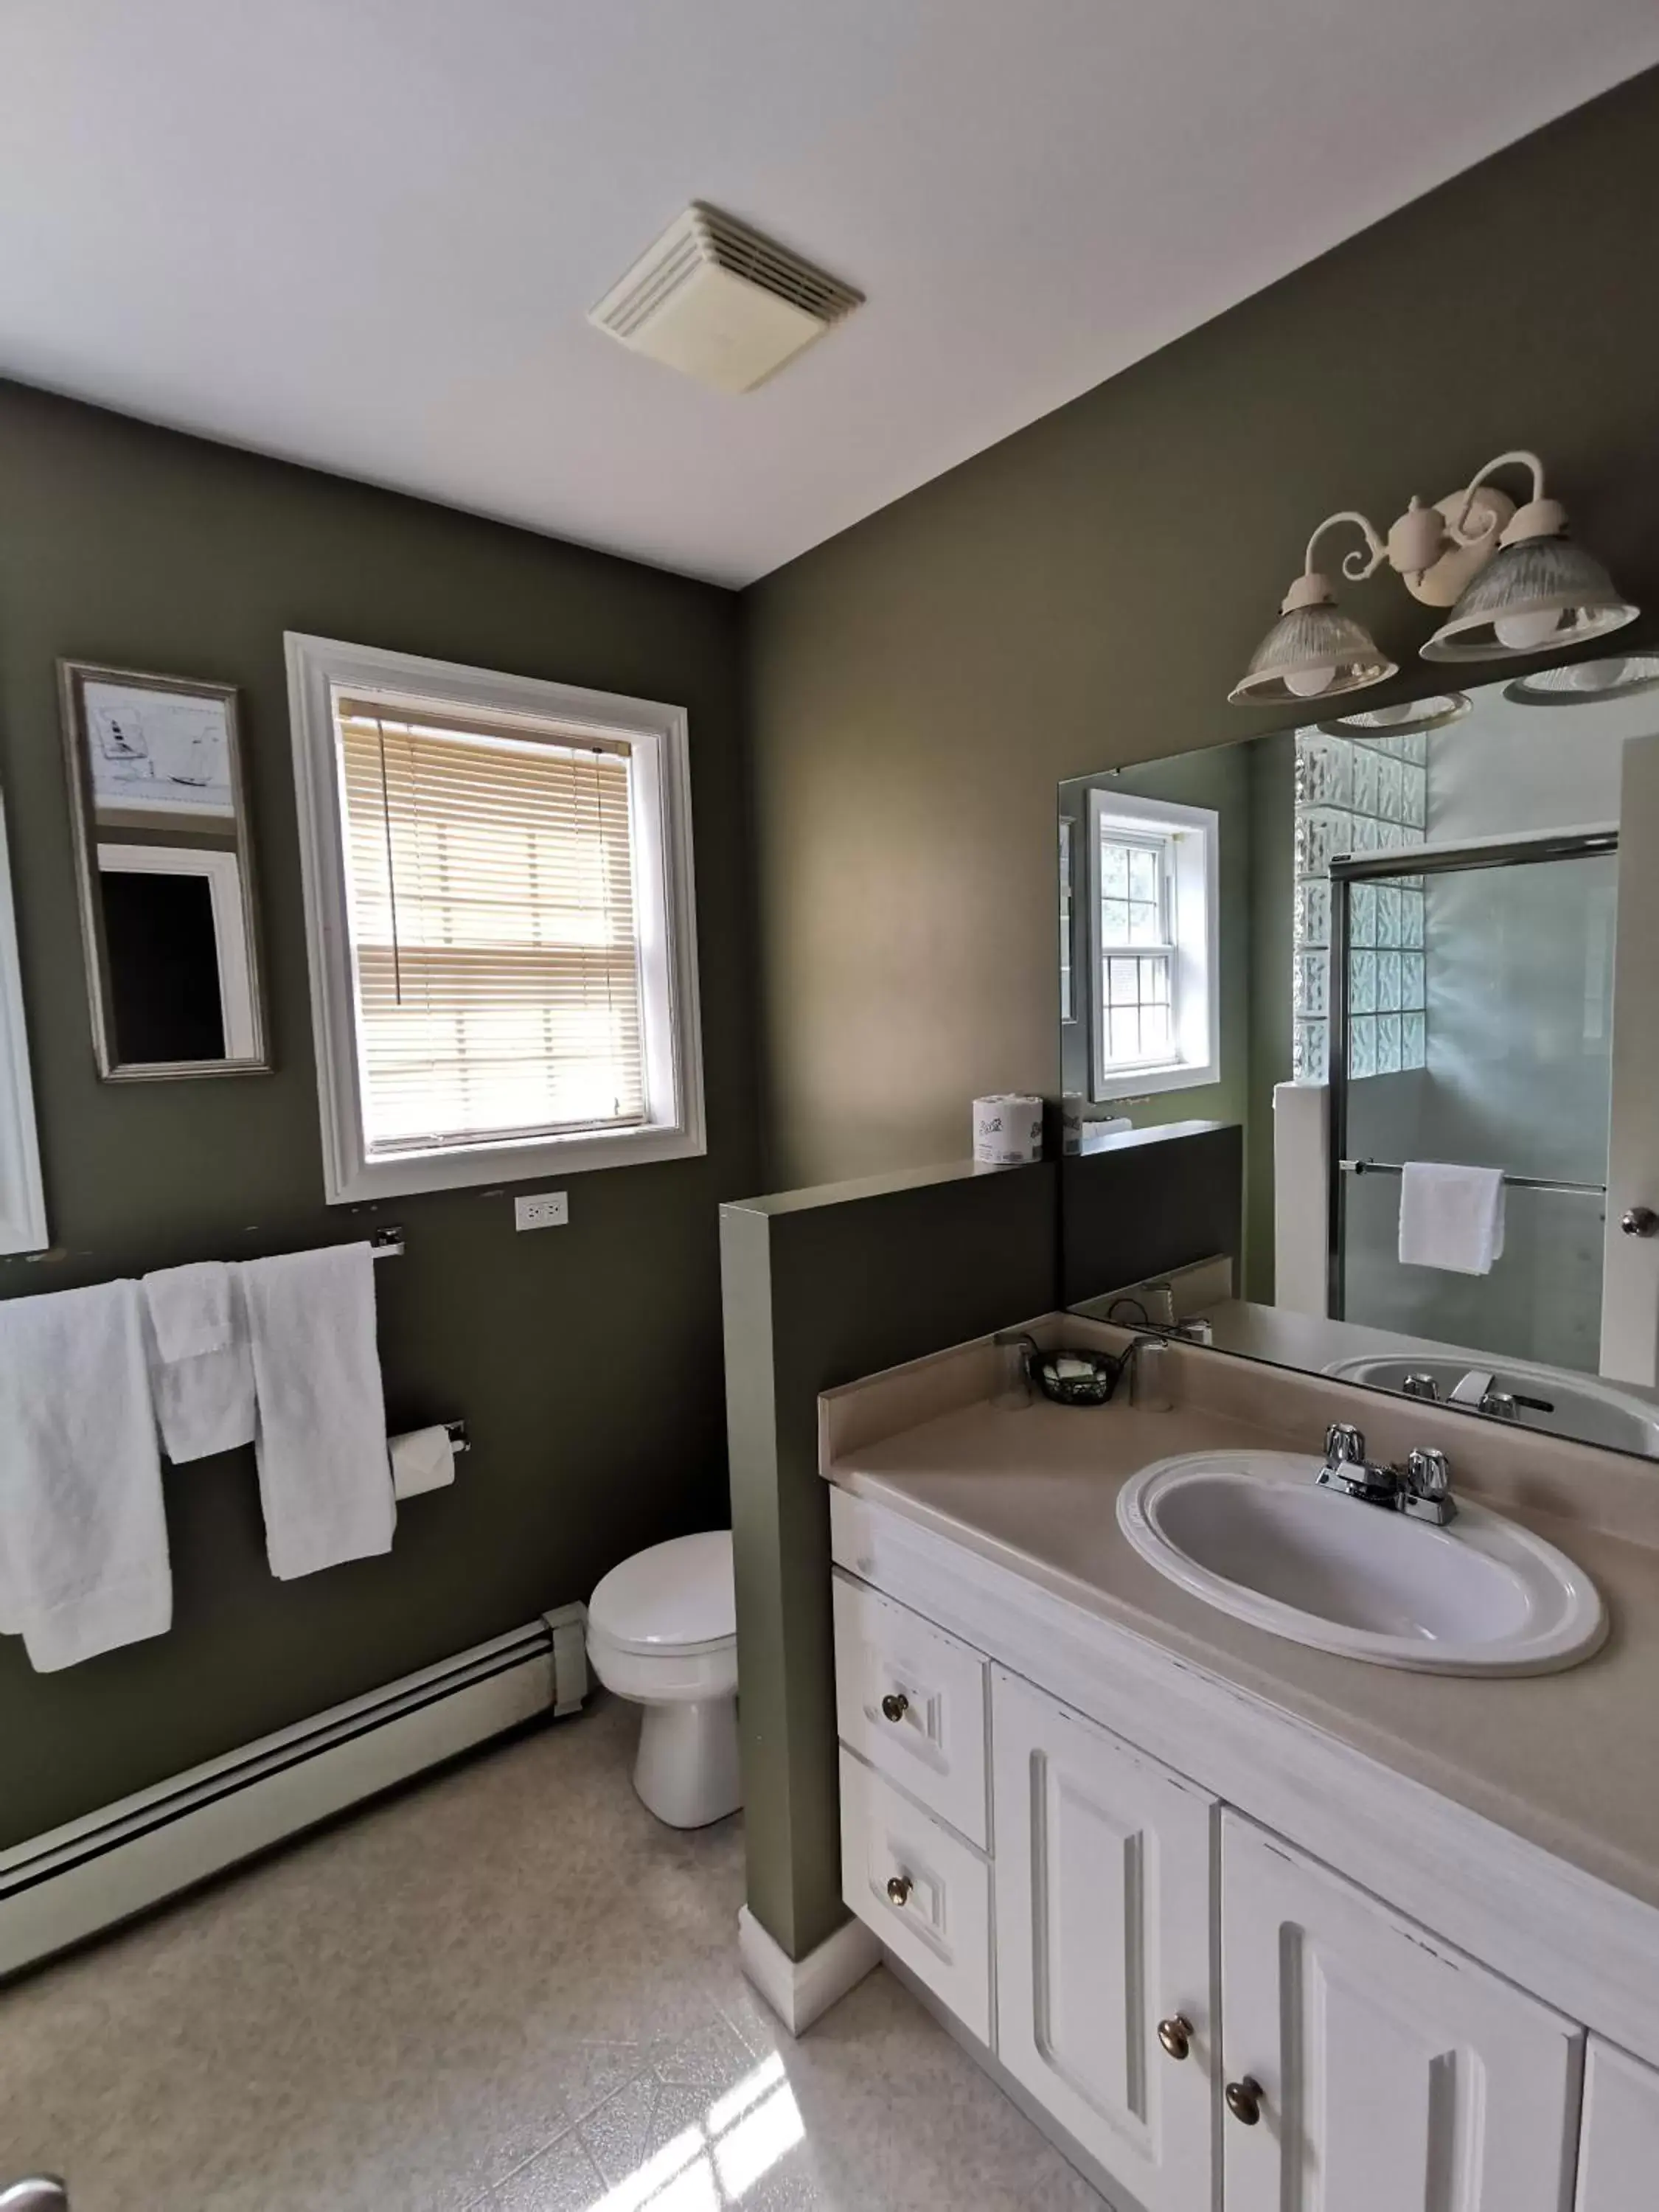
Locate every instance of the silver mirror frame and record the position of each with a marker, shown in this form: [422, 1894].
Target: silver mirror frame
[73, 677]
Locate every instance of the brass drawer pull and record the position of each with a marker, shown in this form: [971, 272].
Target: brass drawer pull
[1176, 2034]
[898, 1889]
[895, 1706]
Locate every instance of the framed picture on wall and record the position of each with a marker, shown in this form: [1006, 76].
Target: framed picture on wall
[166, 874]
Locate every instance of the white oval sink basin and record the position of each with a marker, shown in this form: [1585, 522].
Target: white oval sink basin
[1250, 1532]
[1579, 1406]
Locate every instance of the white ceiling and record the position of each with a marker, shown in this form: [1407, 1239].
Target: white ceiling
[364, 234]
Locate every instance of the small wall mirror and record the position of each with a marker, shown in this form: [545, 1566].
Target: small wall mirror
[165, 876]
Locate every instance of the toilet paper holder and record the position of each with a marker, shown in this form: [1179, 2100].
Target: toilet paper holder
[457, 1435]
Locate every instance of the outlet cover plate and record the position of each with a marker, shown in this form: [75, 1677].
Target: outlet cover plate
[541, 1209]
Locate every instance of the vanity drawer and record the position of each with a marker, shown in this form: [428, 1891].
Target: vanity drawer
[912, 1700]
[937, 1918]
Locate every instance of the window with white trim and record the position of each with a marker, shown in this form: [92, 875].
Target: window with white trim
[1154, 1008]
[498, 896]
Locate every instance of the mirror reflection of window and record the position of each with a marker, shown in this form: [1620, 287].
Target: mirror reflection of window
[175, 953]
[163, 967]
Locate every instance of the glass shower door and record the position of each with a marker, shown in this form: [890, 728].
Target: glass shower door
[1478, 993]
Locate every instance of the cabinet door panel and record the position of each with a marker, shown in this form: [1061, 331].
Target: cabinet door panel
[1104, 1898]
[1396, 2074]
[1619, 2152]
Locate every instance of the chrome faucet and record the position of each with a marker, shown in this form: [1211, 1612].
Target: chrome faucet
[1422, 1487]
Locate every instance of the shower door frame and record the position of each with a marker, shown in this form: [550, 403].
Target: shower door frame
[1346, 871]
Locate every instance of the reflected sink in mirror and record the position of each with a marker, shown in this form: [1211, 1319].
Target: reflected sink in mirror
[1249, 1532]
[1562, 1406]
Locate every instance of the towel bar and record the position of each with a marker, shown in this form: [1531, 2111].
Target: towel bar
[1515, 1182]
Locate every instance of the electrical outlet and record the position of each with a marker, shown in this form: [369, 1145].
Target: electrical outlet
[544, 1209]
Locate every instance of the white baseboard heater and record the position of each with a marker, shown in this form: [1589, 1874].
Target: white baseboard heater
[60, 1887]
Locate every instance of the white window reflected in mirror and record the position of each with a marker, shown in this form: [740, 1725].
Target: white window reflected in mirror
[22, 1199]
[1154, 1008]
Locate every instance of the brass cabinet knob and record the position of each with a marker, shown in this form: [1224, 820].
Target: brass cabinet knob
[1640, 1221]
[895, 1706]
[898, 1889]
[1176, 2034]
[1244, 2100]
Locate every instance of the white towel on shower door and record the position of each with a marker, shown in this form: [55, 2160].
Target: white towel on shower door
[1452, 1217]
[201, 1373]
[320, 1428]
[84, 1539]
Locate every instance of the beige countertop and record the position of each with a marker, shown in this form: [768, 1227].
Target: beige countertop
[1569, 1761]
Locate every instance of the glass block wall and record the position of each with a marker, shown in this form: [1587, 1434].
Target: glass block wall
[1360, 795]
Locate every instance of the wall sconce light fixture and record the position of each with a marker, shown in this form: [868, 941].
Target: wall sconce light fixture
[1514, 582]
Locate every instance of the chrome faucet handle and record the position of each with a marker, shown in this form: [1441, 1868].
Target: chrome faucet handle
[1427, 1490]
[1345, 1445]
[1418, 1385]
[1501, 1406]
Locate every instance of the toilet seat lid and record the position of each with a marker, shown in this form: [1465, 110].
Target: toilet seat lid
[678, 1596]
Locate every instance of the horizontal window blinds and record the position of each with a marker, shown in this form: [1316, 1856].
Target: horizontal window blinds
[498, 963]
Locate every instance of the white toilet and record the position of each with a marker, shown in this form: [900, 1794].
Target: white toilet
[662, 1629]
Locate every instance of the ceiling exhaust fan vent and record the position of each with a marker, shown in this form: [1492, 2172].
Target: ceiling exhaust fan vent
[720, 302]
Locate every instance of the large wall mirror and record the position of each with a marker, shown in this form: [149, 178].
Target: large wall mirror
[167, 900]
[1422, 937]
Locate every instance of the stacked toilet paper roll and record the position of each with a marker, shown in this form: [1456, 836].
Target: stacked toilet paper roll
[1007, 1130]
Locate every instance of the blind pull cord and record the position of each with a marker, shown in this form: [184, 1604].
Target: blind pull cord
[391, 869]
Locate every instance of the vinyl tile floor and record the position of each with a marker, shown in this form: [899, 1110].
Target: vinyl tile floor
[508, 1988]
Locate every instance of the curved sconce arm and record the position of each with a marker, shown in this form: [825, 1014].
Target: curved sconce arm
[1356, 565]
[1486, 520]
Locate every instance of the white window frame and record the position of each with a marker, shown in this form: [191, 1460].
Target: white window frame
[22, 1196]
[1192, 838]
[322, 670]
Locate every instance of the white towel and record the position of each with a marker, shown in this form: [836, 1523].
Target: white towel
[84, 1539]
[189, 1308]
[422, 1460]
[201, 1374]
[320, 1434]
[1452, 1217]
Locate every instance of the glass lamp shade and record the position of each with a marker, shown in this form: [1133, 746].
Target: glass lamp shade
[1311, 652]
[1533, 596]
[1586, 682]
[1408, 719]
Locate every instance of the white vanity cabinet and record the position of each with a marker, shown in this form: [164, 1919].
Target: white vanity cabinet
[1619, 2153]
[1210, 2015]
[1103, 1889]
[1387, 2072]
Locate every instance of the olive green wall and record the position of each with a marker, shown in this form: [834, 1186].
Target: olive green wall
[822, 1288]
[1084, 594]
[587, 1360]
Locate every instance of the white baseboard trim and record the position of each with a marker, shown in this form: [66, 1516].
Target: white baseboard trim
[801, 1990]
[58, 1888]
